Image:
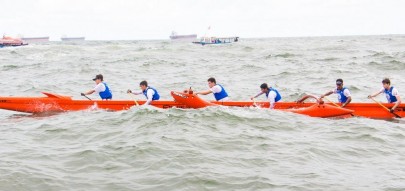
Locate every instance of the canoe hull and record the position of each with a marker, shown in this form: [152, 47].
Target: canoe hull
[58, 103]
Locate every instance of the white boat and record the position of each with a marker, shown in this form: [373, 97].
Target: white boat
[216, 40]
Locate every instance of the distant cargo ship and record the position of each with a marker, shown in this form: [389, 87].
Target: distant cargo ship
[35, 39]
[72, 38]
[175, 36]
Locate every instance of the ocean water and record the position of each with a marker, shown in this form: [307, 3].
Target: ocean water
[215, 148]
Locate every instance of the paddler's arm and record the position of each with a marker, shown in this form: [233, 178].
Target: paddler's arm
[149, 93]
[374, 94]
[349, 99]
[327, 93]
[346, 92]
[135, 93]
[396, 103]
[272, 99]
[89, 92]
[256, 95]
[204, 92]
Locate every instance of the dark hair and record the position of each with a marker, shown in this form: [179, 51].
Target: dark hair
[339, 80]
[264, 86]
[386, 81]
[212, 80]
[144, 83]
[98, 76]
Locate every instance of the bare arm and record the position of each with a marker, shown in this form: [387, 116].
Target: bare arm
[272, 102]
[256, 95]
[204, 92]
[327, 93]
[89, 92]
[397, 103]
[374, 94]
[150, 96]
[272, 99]
[135, 93]
[148, 101]
[349, 99]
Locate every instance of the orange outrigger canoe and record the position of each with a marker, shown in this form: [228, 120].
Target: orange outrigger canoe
[60, 103]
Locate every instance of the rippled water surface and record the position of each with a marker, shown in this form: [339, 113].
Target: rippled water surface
[216, 148]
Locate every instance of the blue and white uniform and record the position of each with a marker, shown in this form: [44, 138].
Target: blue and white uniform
[103, 90]
[273, 96]
[152, 93]
[342, 94]
[219, 93]
[390, 94]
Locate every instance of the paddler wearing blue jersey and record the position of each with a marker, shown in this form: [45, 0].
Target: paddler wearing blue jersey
[271, 94]
[344, 96]
[101, 88]
[390, 92]
[150, 93]
[218, 90]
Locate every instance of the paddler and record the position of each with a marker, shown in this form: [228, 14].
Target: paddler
[390, 92]
[344, 96]
[101, 88]
[271, 94]
[217, 89]
[150, 93]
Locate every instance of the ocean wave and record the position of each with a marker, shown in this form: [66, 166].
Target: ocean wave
[285, 55]
[396, 62]
[10, 67]
[248, 48]
[328, 59]
[215, 148]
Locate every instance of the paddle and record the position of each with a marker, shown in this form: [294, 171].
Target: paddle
[85, 96]
[331, 102]
[132, 95]
[254, 103]
[335, 104]
[396, 115]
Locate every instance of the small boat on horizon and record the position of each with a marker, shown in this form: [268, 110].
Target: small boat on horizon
[216, 40]
[175, 36]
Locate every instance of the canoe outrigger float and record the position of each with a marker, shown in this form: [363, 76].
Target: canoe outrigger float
[59, 103]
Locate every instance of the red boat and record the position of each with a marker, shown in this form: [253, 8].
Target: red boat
[9, 41]
[60, 103]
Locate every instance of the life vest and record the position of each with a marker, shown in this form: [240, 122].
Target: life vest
[156, 95]
[341, 96]
[221, 95]
[388, 94]
[106, 94]
[278, 96]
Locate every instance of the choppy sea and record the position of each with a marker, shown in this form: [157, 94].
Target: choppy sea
[220, 148]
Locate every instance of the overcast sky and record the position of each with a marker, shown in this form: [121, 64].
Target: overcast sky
[155, 19]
